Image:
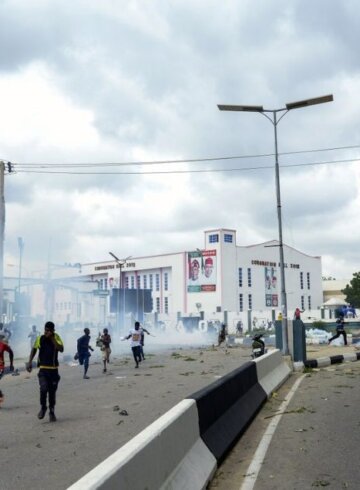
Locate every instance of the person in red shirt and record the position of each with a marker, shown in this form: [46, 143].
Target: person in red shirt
[4, 347]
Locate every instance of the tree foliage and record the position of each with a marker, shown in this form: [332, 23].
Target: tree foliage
[352, 291]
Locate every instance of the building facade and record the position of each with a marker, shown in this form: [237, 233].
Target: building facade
[221, 276]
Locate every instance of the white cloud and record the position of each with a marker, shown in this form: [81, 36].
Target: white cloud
[96, 82]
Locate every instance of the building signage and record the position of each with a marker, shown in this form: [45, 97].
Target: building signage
[274, 264]
[114, 266]
[201, 271]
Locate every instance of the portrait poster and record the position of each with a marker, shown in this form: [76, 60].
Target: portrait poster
[201, 271]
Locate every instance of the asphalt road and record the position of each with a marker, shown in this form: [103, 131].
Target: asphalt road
[316, 443]
[38, 454]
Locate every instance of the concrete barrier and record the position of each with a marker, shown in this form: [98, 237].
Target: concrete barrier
[181, 450]
[271, 370]
[227, 407]
[168, 454]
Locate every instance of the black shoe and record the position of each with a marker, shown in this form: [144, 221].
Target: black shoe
[137, 365]
[104, 370]
[52, 417]
[42, 413]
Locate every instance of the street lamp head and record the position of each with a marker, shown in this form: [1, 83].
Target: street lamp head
[307, 102]
[114, 256]
[241, 108]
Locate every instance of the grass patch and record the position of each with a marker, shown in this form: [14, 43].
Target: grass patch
[157, 366]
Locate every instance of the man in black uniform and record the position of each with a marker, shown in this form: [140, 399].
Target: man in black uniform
[48, 344]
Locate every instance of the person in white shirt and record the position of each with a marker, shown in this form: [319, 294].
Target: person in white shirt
[135, 336]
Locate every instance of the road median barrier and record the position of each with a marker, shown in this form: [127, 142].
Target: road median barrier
[168, 454]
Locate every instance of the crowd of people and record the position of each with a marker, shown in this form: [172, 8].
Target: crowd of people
[49, 344]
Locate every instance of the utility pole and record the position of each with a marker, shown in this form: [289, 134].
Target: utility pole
[2, 232]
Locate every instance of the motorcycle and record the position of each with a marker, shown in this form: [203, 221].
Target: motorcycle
[258, 346]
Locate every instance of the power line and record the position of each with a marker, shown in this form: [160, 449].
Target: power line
[163, 162]
[264, 167]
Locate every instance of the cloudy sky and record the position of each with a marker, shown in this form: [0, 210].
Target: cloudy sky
[96, 82]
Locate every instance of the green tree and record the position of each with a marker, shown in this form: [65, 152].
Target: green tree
[352, 291]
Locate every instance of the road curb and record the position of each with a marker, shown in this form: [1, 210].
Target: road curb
[327, 361]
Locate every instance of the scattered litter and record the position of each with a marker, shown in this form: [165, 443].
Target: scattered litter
[123, 412]
[73, 364]
[116, 408]
[120, 377]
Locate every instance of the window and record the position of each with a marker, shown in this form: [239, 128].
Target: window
[302, 303]
[214, 238]
[308, 279]
[138, 283]
[309, 302]
[105, 283]
[166, 282]
[301, 280]
[132, 279]
[249, 277]
[145, 281]
[101, 283]
[228, 238]
[151, 281]
[166, 304]
[241, 302]
[126, 282]
[240, 278]
[157, 282]
[250, 301]
[158, 305]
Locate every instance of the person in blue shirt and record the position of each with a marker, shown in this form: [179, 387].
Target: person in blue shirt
[83, 351]
[340, 330]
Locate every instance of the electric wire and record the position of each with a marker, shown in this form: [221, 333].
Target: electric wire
[188, 160]
[157, 172]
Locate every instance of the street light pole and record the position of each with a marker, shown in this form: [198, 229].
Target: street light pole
[275, 121]
[121, 263]
[21, 248]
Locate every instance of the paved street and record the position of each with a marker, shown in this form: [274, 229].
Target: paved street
[316, 443]
[38, 454]
[322, 423]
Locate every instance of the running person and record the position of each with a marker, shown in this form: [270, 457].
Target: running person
[105, 340]
[340, 330]
[142, 341]
[83, 349]
[135, 335]
[4, 347]
[49, 345]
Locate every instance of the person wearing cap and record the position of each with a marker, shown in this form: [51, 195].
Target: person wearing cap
[208, 267]
[4, 347]
[49, 345]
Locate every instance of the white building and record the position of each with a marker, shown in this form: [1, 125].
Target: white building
[221, 276]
